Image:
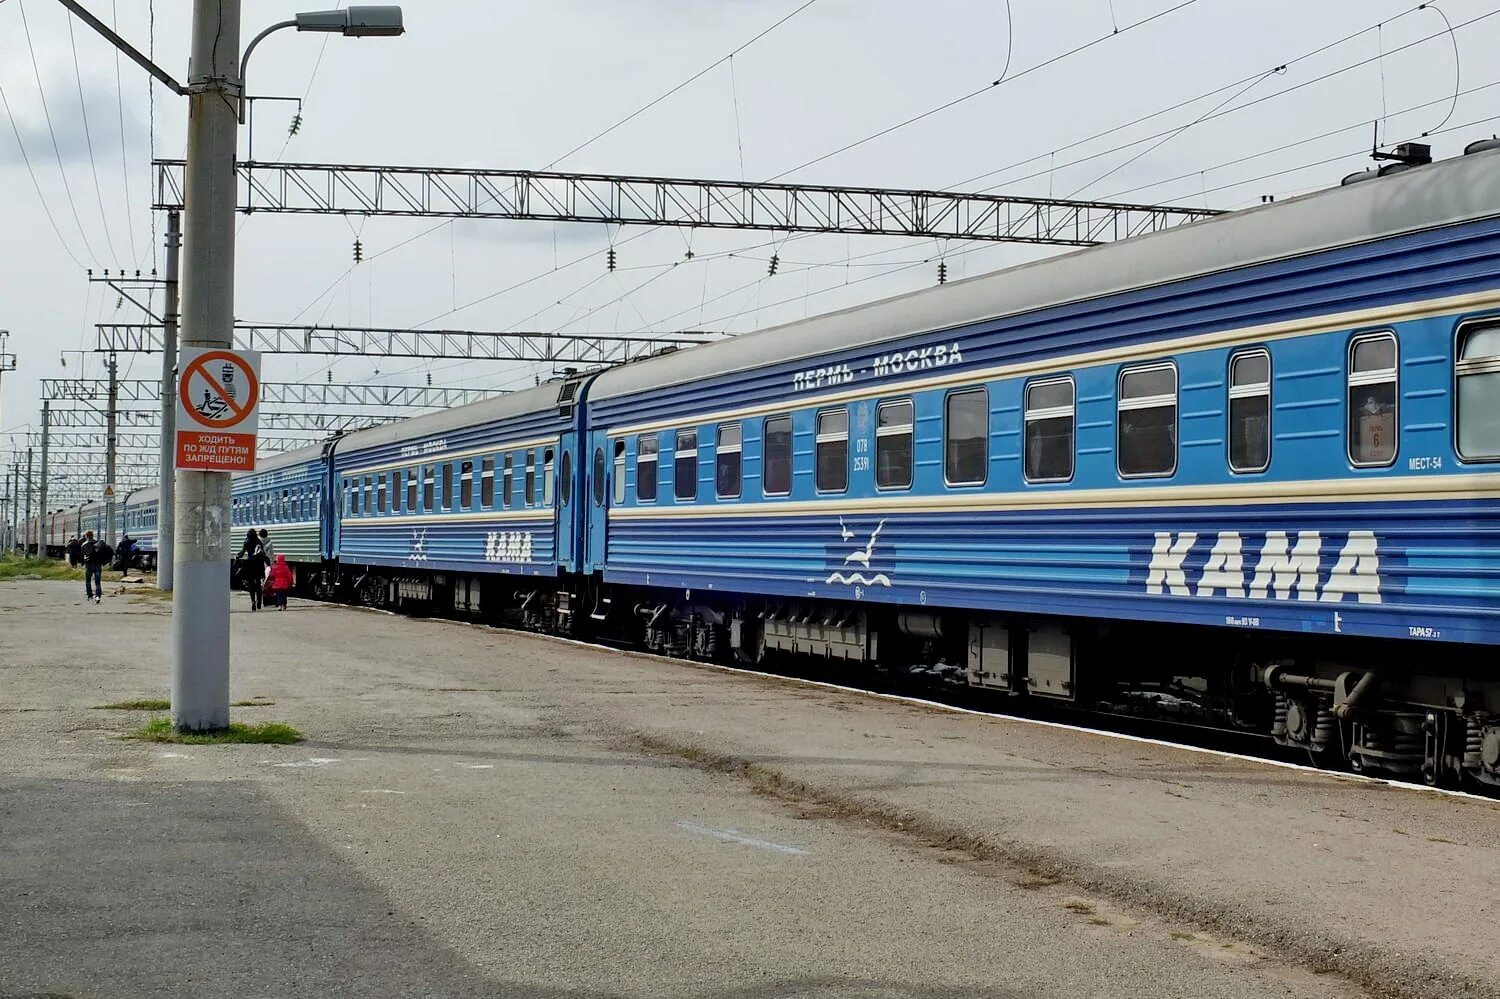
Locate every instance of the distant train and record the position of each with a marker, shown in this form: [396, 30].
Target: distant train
[1242, 472]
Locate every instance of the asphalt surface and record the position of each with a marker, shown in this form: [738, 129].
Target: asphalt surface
[483, 813]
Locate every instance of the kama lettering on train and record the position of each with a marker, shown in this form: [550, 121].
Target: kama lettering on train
[1283, 565]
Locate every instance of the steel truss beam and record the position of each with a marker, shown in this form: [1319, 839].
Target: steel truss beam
[583, 350]
[150, 418]
[452, 192]
[283, 393]
[61, 443]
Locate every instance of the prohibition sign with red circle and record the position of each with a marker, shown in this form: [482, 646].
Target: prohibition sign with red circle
[239, 411]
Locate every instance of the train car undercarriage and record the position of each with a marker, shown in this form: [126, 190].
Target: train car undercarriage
[1354, 703]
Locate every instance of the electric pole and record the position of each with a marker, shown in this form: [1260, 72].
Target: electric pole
[15, 502]
[110, 449]
[5, 530]
[7, 363]
[42, 498]
[165, 514]
[26, 544]
[200, 606]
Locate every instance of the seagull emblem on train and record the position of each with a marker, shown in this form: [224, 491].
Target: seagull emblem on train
[861, 556]
[844, 533]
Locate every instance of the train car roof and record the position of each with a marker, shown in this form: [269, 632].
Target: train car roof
[1460, 189]
[532, 400]
[282, 459]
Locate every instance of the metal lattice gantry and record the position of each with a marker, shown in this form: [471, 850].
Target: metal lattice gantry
[88, 416]
[144, 390]
[455, 192]
[581, 349]
[149, 443]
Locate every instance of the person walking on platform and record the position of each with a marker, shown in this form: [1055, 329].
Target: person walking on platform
[266, 546]
[280, 582]
[75, 551]
[253, 564]
[96, 555]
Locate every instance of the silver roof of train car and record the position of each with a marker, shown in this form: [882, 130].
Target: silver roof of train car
[532, 400]
[1453, 190]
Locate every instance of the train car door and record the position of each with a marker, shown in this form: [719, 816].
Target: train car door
[602, 472]
[563, 516]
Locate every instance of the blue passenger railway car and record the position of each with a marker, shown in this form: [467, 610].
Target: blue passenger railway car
[1268, 440]
[458, 507]
[138, 520]
[286, 496]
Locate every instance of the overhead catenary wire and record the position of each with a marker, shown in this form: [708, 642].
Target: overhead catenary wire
[983, 90]
[88, 137]
[31, 172]
[56, 150]
[124, 159]
[1311, 54]
[696, 76]
[1249, 104]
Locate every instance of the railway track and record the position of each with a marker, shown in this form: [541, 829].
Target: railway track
[915, 689]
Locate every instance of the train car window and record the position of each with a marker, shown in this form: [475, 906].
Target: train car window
[776, 456]
[380, 500]
[1146, 437]
[619, 472]
[646, 451]
[429, 488]
[727, 463]
[530, 478]
[466, 486]
[446, 474]
[1050, 424]
[487, 484]
[507, 483]
[1250, 411]
[1478, 392]
[599, 475]
[565, 478]
[966, 433]
[547, 477]
[1372, 400]
[893, 444]
[286, 504]
[831, 447]
[411, 490]
[397, 489]
[685, 465]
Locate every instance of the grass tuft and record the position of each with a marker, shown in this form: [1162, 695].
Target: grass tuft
[12, 567]
[161, 730]
[139, 704]
[254, 702]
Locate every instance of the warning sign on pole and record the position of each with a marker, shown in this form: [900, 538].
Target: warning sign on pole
[218, 409]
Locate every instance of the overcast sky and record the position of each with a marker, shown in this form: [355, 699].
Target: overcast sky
[505, 84]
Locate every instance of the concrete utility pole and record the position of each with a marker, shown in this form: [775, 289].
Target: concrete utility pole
[15, 504]
[200, 606]
[165, 514]
[111, 448]
[7, 363]
[5, 525]
[26, 545]
[42, 498]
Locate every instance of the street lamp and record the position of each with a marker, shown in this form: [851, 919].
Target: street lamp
[352, 22]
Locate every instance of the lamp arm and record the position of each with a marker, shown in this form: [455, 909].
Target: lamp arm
[245, 59]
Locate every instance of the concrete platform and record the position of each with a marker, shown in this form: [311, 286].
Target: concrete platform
[484, 813]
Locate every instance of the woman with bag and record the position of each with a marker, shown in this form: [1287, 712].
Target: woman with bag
[279, 582]
[253, 563]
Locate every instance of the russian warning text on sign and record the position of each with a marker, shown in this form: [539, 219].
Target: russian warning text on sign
[218, 401]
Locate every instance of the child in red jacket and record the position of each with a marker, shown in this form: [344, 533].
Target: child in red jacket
[279, 581]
